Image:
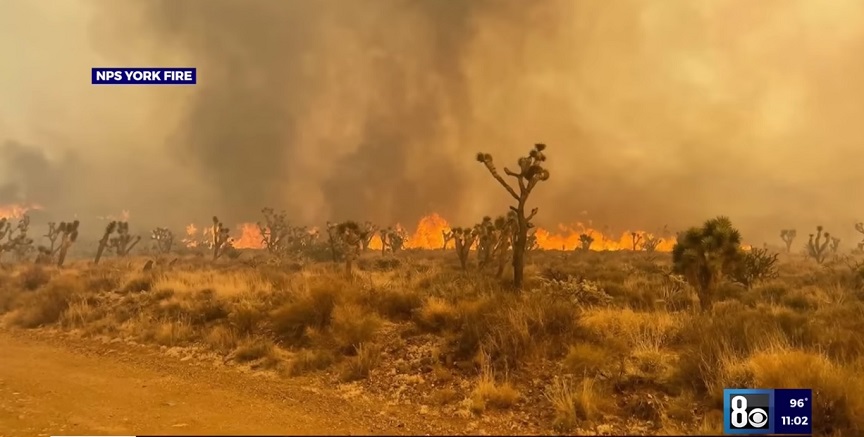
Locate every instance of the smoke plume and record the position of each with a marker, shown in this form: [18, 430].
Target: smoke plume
[655, 113]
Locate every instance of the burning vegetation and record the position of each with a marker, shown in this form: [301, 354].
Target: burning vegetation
[623, 318]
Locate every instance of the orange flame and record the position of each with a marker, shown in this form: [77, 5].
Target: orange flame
[428, 235]
[567, 238]
[191, 239]
[250, 237]
[16, 210]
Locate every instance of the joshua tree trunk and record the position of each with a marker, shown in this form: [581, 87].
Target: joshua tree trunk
[519, 244]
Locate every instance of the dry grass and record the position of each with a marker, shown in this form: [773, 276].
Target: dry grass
[617, 355]
[574, 402]
[490, 393]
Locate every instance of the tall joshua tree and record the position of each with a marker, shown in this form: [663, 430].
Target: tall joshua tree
[68, 236]
[704, 255]
[817, 248]
[530, 172]
[350, 236]
[636, 239]
[788, 236]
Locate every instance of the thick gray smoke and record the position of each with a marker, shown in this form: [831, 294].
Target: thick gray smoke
[655, 113]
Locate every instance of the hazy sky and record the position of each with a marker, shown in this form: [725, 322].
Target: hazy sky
[655, 112]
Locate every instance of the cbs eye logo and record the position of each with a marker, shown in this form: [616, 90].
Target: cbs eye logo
[745, 414]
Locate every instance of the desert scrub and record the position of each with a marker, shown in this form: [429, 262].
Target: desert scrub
[312, 309]
[352, 326]
[47, 304]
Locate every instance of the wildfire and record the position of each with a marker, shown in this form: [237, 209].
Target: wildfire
[568, 238]
[16, 210]
[250, 237]
[428, 235]
[191, 239]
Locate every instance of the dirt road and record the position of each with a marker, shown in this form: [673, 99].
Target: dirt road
[53, 387]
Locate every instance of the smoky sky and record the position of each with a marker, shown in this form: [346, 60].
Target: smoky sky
[655, 112]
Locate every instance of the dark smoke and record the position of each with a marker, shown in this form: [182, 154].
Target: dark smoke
[30, 176]
[655, 113]
[265, 65]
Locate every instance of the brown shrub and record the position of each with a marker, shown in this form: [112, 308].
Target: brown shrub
[351, 327]
[358, 367]
[313, 310]
[46, 305]
[33, 277]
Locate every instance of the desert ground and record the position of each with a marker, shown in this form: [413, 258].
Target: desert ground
[596, 343]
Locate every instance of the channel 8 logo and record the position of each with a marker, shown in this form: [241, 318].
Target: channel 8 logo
[748, 411]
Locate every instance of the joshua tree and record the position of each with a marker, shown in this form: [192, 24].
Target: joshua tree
[531, 171]
[448, 235]
[392, 239]
[495, 238]
[704, 255]
[103, 242]
[16, 237]
[121, 242]
[68, 236]
[532, 244]
[52, 235]
[835, 244]
[788, 236]
[274, 231]
[464, 238]
[333, 239]
[349, 237]
[586, 240]
[164, 239]
[221, 239]
[860, 228]
[651, 242]
[486, 240]
[368, 231]
[636, 238]
[816, 247]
